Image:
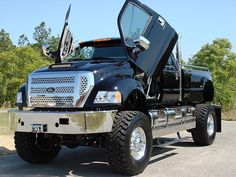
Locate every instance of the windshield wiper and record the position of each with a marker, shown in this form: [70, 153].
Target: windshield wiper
[74, 59]
[105, 58]
[96, 59]
[101, 59]
[123, 62]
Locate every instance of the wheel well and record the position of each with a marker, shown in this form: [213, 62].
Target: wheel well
[208, 91]
[136, 101]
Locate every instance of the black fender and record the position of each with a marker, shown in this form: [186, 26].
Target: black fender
[200, 89]
[23, 89]
[127, 86]
[208, 91]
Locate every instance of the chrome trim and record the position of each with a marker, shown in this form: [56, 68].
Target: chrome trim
[200, 68]
[84, 122]
[180, 74]
[83, 99]
[172, 120]
[158, 131]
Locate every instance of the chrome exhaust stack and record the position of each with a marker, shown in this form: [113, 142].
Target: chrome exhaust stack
[179, 59]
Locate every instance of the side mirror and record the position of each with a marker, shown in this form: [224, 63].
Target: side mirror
[46, 50]
[48, 53]
[142, 43]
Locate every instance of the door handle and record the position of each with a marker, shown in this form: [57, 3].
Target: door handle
[176, 75]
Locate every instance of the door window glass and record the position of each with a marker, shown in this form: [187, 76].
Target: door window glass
[134, 23]
[170, 65]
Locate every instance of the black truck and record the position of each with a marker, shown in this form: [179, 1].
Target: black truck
[121, 94]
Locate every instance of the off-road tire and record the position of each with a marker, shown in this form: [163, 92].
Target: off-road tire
[118, 143]
[200, 134]
[32, 152]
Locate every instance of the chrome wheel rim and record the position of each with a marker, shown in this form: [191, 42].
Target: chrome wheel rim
[210, 125]
[138, 143]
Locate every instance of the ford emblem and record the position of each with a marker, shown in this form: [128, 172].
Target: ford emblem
[51, 90]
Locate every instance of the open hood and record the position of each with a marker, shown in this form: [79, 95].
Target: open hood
[137, 22]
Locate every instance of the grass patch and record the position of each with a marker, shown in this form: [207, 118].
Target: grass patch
[4, 124]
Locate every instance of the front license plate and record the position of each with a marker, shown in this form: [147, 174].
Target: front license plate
[39, 128]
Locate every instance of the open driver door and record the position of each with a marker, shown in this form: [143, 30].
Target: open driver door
[147, 38]
[65, 45]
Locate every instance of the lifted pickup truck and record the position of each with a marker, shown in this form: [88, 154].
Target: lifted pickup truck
[116, 93]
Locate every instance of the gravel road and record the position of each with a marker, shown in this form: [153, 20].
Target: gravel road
[180, 160]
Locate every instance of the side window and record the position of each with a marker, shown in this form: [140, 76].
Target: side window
[170, 65]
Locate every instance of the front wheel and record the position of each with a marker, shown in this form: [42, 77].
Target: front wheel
[42, 151]
[205, 131]
[129, 145]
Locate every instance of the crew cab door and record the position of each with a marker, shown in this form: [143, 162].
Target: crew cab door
[136, 20]
[170, 80]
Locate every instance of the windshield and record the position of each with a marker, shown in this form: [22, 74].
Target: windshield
[94, 52]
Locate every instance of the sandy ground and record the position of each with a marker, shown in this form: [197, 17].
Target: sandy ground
[7, 144]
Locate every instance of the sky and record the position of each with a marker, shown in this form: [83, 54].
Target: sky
[199, 21]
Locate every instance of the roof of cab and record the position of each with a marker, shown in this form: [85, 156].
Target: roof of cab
[101, 42]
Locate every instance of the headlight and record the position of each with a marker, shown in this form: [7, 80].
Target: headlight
[108, 97]
[19, 97]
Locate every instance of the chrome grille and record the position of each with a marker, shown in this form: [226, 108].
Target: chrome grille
[42, 90]
[55, 100]
[59, 89]
[83, 85]
[52, 80]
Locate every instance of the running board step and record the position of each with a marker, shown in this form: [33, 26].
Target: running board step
[164, 142]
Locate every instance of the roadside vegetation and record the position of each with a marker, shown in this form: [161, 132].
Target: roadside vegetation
[221, 61]
[230, 115]
[17, 61]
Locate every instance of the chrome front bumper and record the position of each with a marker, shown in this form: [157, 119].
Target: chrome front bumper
[64, 122]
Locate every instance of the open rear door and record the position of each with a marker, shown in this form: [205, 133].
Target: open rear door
[137, 20]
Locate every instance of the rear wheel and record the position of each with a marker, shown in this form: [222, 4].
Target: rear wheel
[45, 150]
[129, 145]
[205, 131]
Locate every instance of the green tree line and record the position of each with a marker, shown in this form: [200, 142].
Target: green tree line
[17, 61]
[219, 58]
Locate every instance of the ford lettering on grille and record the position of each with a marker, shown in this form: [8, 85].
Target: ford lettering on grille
[51, 90]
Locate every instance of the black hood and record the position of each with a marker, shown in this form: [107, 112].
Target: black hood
[100, 69]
